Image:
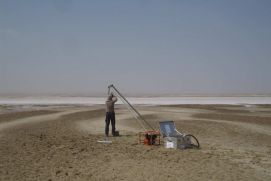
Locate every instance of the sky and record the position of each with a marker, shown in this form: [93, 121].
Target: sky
[142, 47]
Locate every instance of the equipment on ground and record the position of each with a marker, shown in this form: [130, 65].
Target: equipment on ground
[150, 136]
[117, 133]
[174, 139]
[105, 141]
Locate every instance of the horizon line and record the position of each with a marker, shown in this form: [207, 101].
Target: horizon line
[140, 95]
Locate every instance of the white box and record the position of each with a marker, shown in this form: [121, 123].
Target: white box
[176, 142]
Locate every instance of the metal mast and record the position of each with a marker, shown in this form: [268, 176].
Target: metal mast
[135, 113]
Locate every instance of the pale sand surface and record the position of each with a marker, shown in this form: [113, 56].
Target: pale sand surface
[60, 143]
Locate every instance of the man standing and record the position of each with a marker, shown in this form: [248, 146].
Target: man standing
[110, 114]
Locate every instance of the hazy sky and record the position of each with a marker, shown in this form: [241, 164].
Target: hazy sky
[177, 47]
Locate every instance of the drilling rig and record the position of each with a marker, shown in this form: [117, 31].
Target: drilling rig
[149, 136]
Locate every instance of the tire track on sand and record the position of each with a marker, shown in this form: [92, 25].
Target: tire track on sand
[35, 119]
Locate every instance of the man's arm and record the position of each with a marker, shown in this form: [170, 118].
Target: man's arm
[114, 99]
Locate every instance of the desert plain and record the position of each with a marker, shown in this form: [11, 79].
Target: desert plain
[60, 143]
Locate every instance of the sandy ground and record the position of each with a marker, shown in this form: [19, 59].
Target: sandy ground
[60, 143]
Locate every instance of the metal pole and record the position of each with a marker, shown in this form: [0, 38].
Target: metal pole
[124, 100]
